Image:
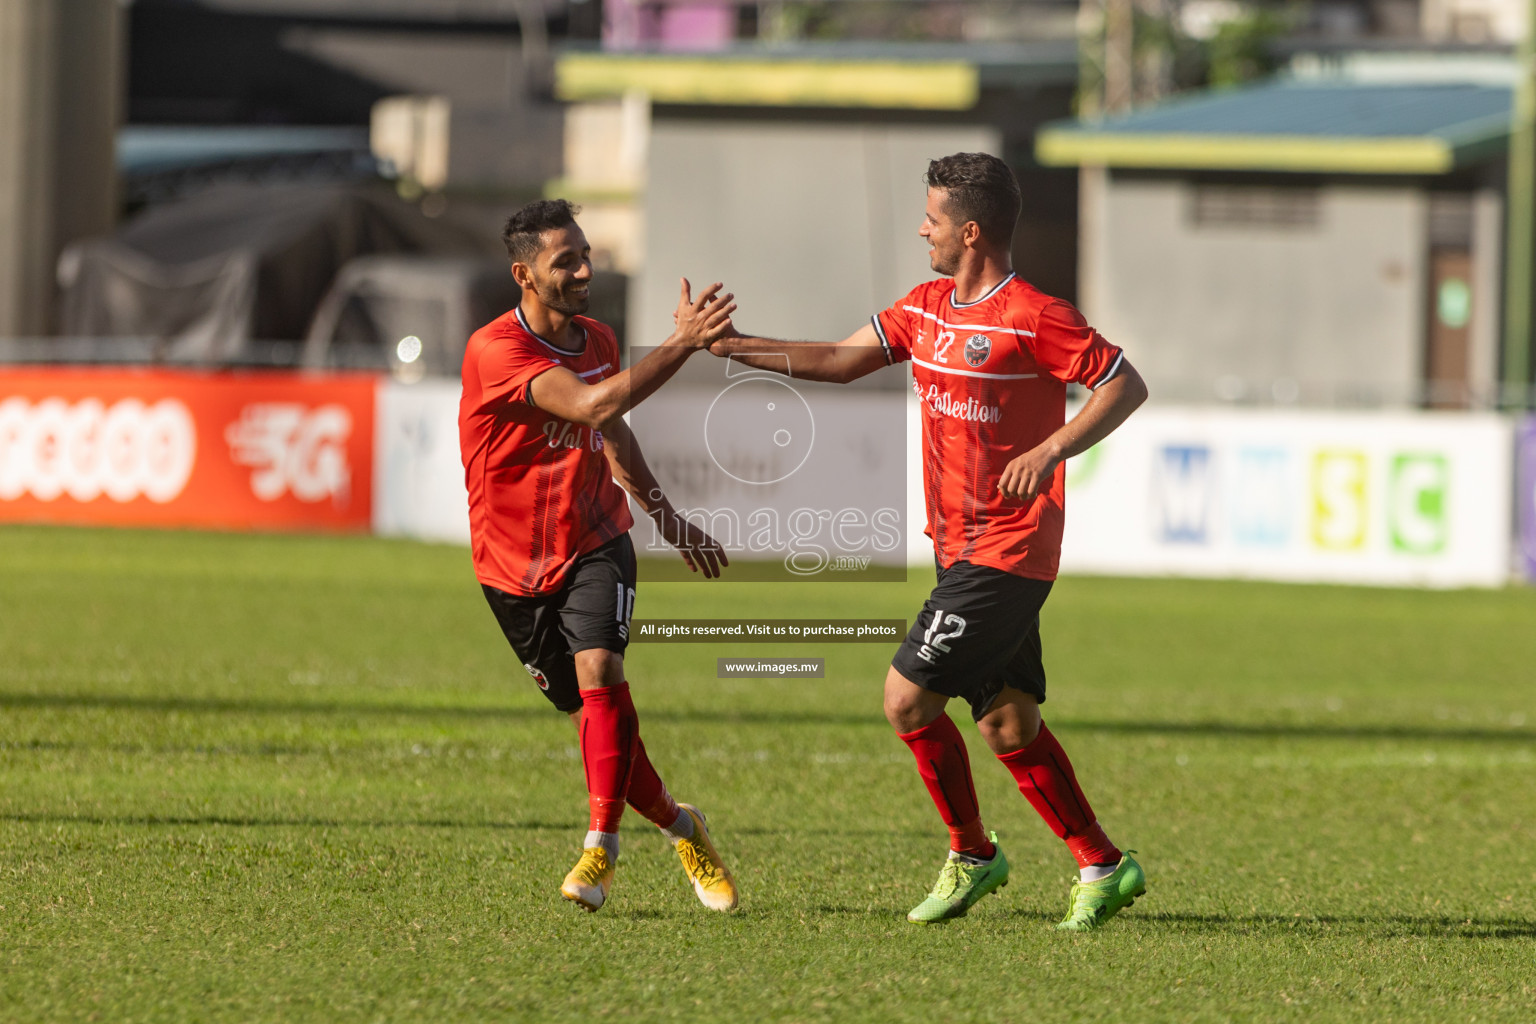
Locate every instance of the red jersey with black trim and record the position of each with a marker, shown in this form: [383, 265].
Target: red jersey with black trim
[992, 377]
[541, 493]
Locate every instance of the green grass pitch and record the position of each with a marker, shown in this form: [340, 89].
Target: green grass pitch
[286, 778]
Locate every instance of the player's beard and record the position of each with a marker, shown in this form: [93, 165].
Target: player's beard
[943, 262]
[569, 305]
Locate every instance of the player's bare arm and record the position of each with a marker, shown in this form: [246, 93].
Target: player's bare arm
[699, 322]
[835, 361]
[700, 551]
[1107, 407]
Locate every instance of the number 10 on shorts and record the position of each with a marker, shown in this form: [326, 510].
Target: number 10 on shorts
[624, 607]
[941, 629]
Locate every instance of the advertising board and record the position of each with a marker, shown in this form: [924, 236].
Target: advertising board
[837, 510]
[160, 448]
[1377, 498]
[419, 489]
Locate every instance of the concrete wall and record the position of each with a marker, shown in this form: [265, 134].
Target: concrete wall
[1487, 282]
[499, 135]
[813, 226]
[60, 102]
[1331, 311]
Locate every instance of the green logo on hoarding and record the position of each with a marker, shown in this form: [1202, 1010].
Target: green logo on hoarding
[1084, 467]
[1417, 492]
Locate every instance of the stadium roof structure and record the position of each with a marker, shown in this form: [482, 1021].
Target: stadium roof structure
[929, 76]
[1298, 126]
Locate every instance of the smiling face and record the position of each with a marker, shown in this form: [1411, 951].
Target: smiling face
[561, 274]
[944, 235]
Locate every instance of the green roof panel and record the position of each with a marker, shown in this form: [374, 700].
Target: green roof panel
[1297, 126]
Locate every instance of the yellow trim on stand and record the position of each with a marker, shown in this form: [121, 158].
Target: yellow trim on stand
[1294, 153]
[725, 81]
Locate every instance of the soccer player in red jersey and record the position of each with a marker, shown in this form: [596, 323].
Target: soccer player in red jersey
[543, 442]
[991, 360]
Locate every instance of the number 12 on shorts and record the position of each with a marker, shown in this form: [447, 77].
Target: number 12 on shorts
[936, 638]
[624, 608]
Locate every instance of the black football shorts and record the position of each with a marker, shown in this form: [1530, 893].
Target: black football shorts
[978, 631]
[591, 611]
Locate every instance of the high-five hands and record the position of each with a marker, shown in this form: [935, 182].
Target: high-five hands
[705, 320]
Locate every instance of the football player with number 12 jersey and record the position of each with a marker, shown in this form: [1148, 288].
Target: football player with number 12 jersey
[991, 360]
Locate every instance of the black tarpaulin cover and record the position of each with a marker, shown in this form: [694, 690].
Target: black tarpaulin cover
[208, 274]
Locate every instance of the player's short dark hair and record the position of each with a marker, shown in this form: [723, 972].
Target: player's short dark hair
[524, 230]
[978, 187]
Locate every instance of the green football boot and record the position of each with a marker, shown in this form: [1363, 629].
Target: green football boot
[959, 886]
[1093, 903]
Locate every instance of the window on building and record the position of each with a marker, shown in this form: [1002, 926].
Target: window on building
[1254, 206]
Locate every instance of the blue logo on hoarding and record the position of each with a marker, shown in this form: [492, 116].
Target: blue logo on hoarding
[1260, 499]
[1182, 493]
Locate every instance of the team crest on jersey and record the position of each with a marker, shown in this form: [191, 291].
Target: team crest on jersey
[538, 677]
[977, 348]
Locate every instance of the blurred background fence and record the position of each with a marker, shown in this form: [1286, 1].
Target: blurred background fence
[244, 242]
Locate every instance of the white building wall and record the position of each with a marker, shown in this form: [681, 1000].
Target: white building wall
[1487, 282]
[812, 226]
[1474, 21]
[1328, 312]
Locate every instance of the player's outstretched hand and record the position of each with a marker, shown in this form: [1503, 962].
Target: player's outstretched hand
[701, 551]
[704, 320]
[1027, 475]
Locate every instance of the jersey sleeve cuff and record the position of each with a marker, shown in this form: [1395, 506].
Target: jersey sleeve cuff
[890, 357]
[1110, 375]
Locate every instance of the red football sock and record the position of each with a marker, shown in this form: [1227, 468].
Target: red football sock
[610, 734]
[946, 770]
[1046, 779]
[648, 794]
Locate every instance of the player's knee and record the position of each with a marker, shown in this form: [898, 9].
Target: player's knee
[900, 714]
[908, 707]
[1002, 737]
[598, 668]
[1010, 725]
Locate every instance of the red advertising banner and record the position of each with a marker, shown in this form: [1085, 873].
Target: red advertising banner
[123, 447]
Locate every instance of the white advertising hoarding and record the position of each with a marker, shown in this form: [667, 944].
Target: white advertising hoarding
[418, 475]
[831, 494]
[1375, 498]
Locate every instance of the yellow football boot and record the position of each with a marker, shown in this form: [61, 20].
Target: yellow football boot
[712, 881]
[587, 884]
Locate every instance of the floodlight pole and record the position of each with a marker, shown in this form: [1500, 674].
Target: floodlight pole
[1520, 235]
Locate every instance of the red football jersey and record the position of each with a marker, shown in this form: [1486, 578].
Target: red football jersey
[541, 493]
[992, 376]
